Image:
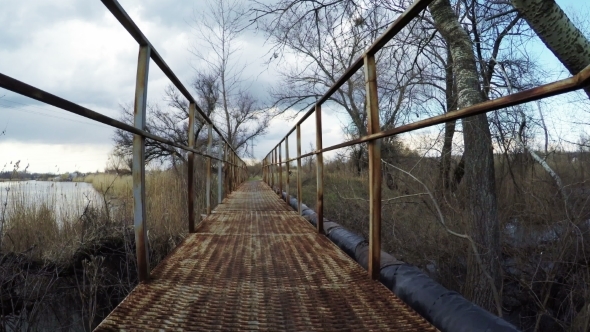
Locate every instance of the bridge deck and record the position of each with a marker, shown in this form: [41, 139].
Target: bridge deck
[255, 264]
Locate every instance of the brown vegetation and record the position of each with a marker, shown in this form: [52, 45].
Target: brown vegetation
[544, 252]
[69, 273]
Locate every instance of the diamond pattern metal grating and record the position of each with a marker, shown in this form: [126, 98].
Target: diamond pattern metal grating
[261, 269]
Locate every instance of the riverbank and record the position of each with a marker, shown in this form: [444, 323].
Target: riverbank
[85, 263]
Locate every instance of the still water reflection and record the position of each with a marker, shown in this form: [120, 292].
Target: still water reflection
[66, 199]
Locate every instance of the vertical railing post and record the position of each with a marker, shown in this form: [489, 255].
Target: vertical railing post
[272, 169]
[233, 171]
[299, 198]
[139, 211]
[319, 169]
[267, 169]
[264, 170]
[191, 169]
[280, 172]
[287, 169]
[219, 176]
[374, 167]
[208, 184]
[225, 170]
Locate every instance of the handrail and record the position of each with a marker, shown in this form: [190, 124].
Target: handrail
[14, 85]
[573, 83]
[380, 42]
[235, 167]
[272, 170]
[121, 15]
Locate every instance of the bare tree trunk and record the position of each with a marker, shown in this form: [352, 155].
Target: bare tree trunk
[558, 33]
[451, 100]
[483, 272]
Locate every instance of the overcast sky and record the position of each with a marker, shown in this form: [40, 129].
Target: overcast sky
[75, 49]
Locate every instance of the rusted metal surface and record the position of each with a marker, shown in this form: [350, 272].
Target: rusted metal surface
[372, 105]
[299, 198]
[231, 171]
[138, 167]
[268, 202]
[219, 177]
[225, 171]
[288, 171]
[264, 170]
[272, 169]
[191, 169]
[319, 169]
[266, 271]
[280, 170]
[208, 184]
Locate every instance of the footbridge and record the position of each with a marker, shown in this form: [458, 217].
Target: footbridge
[261, 260]
[256, 264]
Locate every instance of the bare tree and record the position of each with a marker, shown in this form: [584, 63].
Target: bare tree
[315, 42]
[220, 93]
[483, 280]
[218, 31]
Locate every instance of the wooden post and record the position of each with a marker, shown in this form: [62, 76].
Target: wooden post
[299, 198]
[208, 184]
[138, 170]
[374, 168]
[191, 169]
[319, 169]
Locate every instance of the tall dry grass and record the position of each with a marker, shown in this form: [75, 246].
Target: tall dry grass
[82, 258]
[544, 239]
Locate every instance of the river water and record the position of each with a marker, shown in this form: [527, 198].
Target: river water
[67, 199]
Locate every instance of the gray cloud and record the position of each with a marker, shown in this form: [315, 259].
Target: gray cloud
[76, 50]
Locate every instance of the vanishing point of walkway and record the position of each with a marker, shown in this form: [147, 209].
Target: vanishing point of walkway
[255, 264]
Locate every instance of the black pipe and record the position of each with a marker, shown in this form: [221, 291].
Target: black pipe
[446, 310]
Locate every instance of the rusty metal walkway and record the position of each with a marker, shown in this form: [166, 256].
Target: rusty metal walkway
[255, 264]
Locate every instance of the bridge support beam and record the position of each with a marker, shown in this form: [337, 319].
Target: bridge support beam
[208, 185]
[225, 170]
[319, 169]
[299, 198]
[280, 171]
[272, 168]
[374, 167]
[287, 167]
[219, 176]
[191, 168]
[138, 170]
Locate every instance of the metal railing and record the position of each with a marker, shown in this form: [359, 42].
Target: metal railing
[272, 163]
[235, 168]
